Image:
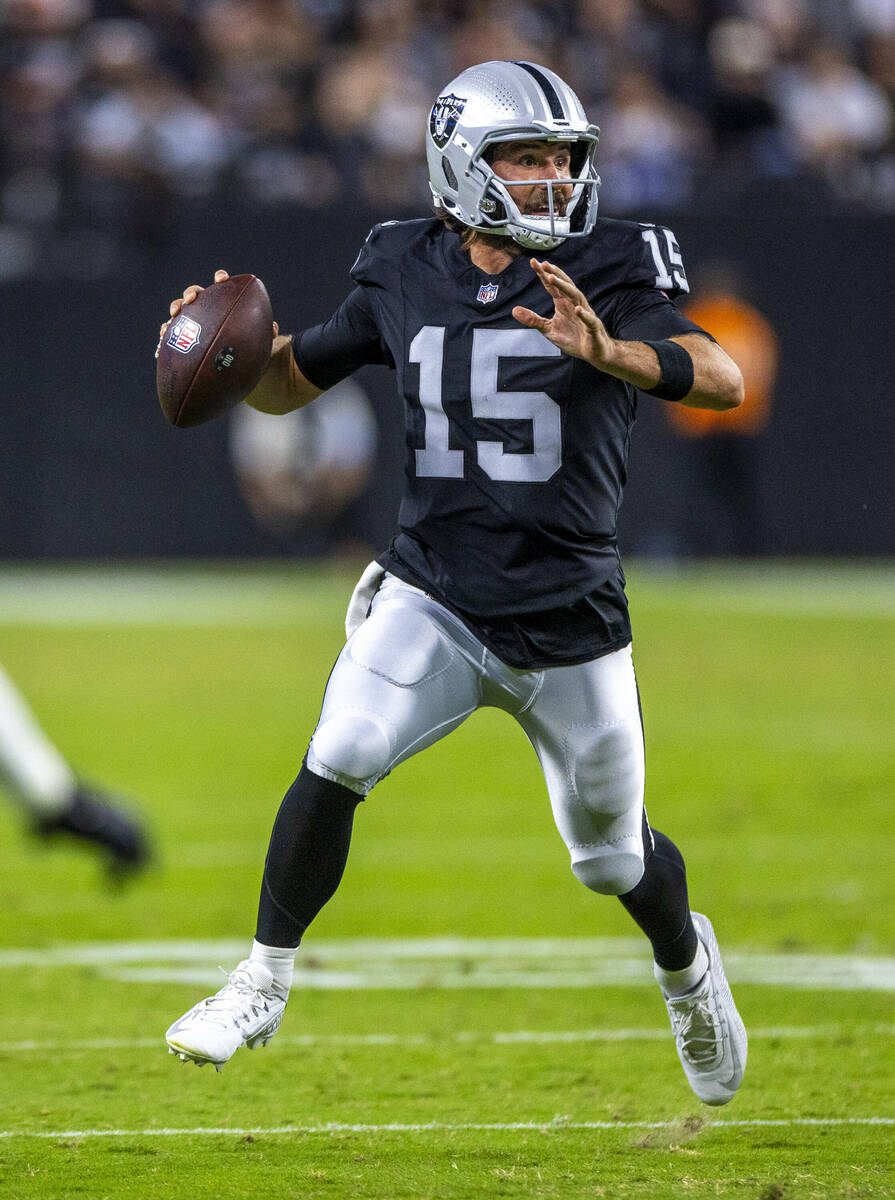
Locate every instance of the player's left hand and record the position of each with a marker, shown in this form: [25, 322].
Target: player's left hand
[574, 326]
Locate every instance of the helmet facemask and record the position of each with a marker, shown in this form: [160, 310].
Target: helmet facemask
[502, 215]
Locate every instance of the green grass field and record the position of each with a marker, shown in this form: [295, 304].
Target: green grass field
[468, 1020]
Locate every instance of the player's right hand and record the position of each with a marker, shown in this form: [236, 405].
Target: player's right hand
[189, 295]
[190, 292]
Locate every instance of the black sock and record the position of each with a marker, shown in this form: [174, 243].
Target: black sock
[306, 857]
[660, 906]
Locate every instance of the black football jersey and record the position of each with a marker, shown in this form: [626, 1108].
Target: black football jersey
[516, 453]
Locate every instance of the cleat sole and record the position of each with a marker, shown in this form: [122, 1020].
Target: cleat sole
[186, 1056]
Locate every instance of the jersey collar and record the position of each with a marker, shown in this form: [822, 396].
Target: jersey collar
[460, 264]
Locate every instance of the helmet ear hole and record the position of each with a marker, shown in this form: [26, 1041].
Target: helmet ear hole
[494, 209]
[449, 172]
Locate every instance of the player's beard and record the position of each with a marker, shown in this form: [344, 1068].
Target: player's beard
[539, 205]
[534, 206]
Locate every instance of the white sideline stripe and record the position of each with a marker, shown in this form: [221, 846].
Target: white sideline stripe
[557, 1124]
[510, 1038]
[169, 597]
[452, 963]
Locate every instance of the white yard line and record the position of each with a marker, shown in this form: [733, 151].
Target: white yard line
[515, 1037]
[557, 1124]
[68, 954]
[451, 963]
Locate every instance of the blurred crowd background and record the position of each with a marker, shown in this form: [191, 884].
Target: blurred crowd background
[144, 143]
[114, 112]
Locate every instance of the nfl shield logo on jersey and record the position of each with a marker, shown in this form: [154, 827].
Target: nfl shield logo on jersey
[444, 116]
[184, 334]
[487, 293]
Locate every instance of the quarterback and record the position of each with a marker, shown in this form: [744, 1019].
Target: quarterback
[518, 325]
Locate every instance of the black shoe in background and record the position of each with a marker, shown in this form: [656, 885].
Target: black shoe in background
[95, 819]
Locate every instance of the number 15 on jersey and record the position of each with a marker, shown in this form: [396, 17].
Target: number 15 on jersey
[436, 459]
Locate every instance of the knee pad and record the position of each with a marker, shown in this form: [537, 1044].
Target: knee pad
[611, 870]
[600, 813]
[351, 748]
[606, 767]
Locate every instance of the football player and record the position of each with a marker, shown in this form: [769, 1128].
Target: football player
[518, 325]
[59, 805]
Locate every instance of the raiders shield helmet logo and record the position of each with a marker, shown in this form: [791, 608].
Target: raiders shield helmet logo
[444, 117]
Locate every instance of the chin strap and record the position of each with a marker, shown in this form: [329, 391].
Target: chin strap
[535, 241]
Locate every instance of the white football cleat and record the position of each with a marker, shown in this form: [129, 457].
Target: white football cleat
[246, 1012]
[709, 1032]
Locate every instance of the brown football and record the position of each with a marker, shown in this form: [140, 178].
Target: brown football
[214, 351]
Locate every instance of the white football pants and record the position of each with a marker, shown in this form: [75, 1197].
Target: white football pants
[412, 672]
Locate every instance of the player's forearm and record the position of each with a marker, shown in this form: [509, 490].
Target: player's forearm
[717, 382]
[282, 387]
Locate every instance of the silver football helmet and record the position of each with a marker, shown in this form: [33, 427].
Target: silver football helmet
[504, 102]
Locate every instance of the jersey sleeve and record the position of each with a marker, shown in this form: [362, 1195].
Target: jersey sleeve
[645, 307]
[645, 314]
[350, 339]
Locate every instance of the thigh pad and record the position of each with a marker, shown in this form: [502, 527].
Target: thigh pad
[401, 645]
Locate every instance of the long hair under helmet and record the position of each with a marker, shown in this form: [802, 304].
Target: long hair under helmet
[510, 102]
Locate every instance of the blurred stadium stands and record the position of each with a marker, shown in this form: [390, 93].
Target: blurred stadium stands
[144, 143]
[115, 113]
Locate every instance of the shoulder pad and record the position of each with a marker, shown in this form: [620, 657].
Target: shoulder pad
[385, 243]
[366, 255]
[625, 254]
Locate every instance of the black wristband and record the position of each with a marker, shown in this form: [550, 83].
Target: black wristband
[675, 371]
